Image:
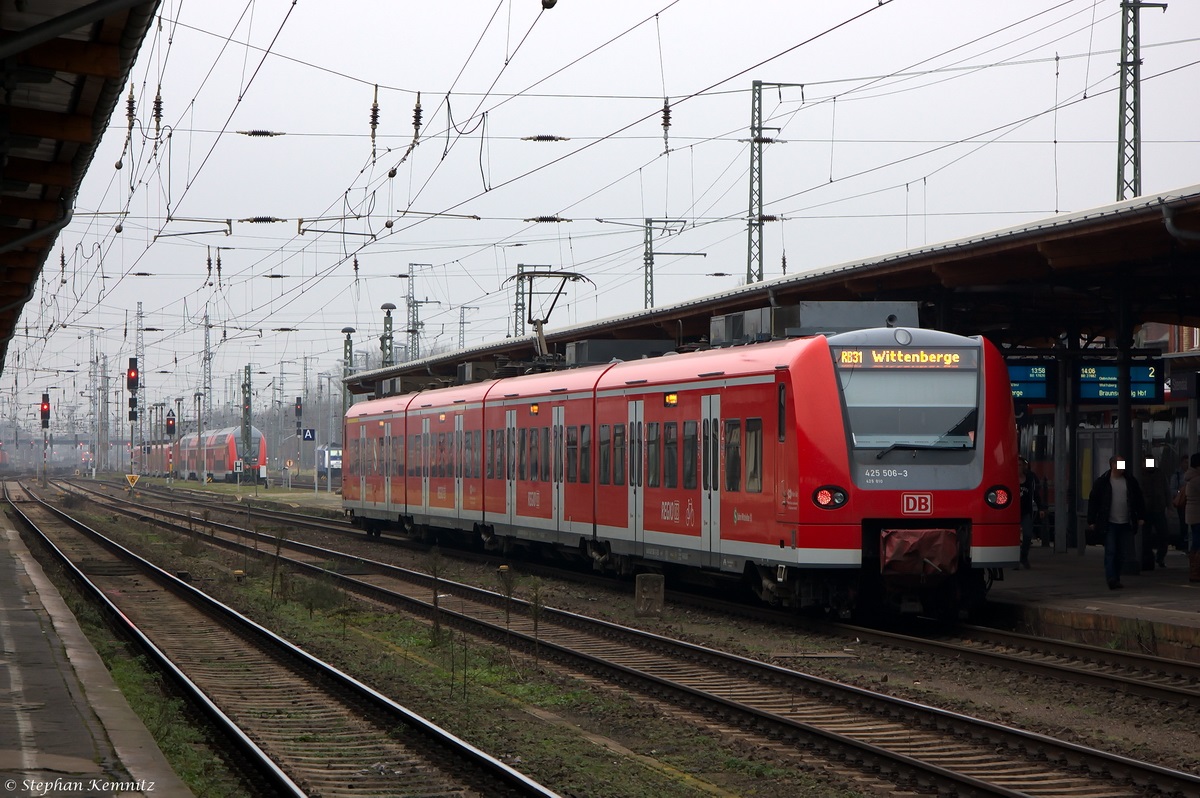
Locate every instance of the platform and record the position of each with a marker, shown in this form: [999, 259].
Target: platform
[1065, 595]
[65, 728]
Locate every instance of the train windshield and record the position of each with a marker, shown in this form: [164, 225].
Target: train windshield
[912, 407]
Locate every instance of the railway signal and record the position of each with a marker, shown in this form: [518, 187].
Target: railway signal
[171, 422]
[131, 376]
[299, 413]
[45, 411]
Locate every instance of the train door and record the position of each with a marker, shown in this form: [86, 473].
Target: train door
[386, 466]
[710, 470]
[510, 466]
[426, 463]
[458, 465]
[362, 464]
[556, 472]
[636, 510]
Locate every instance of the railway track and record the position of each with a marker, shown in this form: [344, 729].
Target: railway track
[308, 728]
[1167, 680]
[910, 745]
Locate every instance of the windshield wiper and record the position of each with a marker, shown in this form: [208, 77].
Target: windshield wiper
[920, 447]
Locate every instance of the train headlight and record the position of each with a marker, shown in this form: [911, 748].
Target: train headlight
[829, 497]
[998, 496]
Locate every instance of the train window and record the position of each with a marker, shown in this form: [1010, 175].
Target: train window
[603, 452]
[635, 454]
[585, 453]
[491, 453]
[558, 452]
[523, 455]
[670, 455]
[708, 459]
[690, 454]
[754, 455]
[462, 453]
[476, 465]
[535, 451]
[545, 454]
[918, 408]
[733, 454]
[781, 421]
[511, 452]
[572, 454]
[652, 454]
[618, 454]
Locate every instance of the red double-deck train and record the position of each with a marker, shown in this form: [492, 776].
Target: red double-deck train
[211, 456]
[870, 469]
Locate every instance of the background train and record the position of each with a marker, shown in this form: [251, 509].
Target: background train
[213, 456]
[871, 469]
[329, 461]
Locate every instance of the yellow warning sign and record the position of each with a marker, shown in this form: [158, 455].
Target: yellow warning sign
[131, 479]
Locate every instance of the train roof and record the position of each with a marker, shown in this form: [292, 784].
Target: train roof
[760, 358]
[255, 433]
[727, 362]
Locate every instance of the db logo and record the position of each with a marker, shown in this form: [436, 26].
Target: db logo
[916, 503]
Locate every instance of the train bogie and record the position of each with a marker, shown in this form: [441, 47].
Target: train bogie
[876, 466]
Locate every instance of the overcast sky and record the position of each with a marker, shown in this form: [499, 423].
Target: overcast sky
[900, 125]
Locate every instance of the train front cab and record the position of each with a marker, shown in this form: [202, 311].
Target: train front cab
[931, 456]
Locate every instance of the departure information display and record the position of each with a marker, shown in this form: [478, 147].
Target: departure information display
[1033, 380]
[1097, 382]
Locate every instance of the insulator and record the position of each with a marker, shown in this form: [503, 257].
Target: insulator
[375, 111]
[130, 106]
[158, 107]
[666, 114]
[783, 262]
[258, 133]
[545, 137]
[355, 265]
[261, 220]
[543, 219]
[417, 117]
[768, 217]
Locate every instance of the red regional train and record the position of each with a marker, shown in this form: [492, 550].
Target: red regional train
[214, 457]
[874, 469]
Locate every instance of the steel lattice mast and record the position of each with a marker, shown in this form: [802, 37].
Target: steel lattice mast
[1129, 152]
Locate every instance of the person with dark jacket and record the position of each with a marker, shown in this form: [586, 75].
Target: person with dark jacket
[1031, 507]
[1115, 508]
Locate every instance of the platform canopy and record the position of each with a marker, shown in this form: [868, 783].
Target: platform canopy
[65, 64]
[1029, 285]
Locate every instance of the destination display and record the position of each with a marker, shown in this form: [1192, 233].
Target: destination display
[1097, 382]
[1033, 380]
[891, 357]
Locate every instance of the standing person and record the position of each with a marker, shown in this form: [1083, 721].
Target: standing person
[1175, 487]
[1155, 537]
[1029, 507]
[1191, 513]
[1116, 508]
